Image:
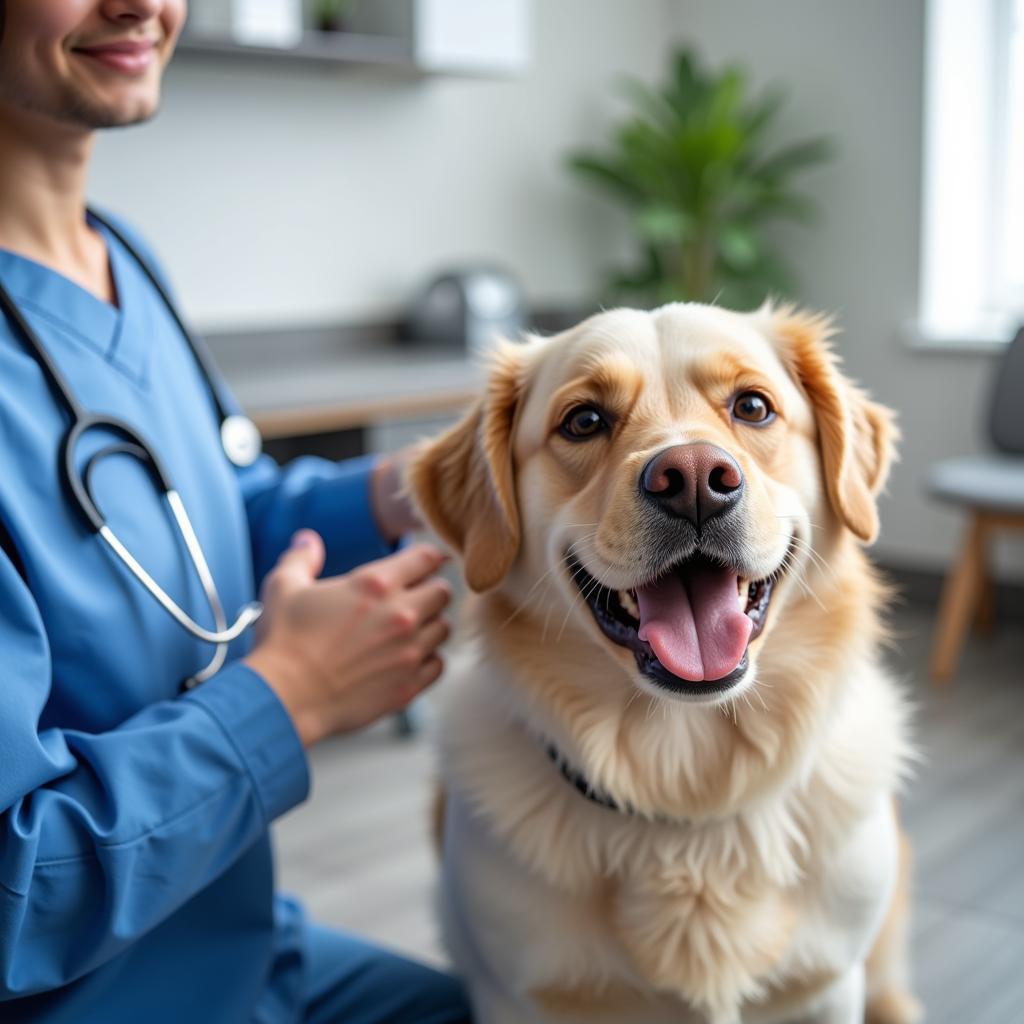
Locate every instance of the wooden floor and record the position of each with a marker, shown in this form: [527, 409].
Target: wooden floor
[359, 855]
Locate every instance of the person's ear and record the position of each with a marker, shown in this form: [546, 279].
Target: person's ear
[464, 481]
[856, 436]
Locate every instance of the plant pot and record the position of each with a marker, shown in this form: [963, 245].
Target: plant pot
[332, 23]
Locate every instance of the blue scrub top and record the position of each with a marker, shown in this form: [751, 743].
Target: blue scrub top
[136, 877]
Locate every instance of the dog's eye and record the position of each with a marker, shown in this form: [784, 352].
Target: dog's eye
[752, 407]
[583, 422]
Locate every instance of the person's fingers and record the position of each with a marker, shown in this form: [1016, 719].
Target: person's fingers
[428, 599]
[304, 560]
[407, 567]
[429, 672]
[426, 675]
[430, 636]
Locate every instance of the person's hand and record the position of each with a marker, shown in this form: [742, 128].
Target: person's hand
[392, 506]
[342, 652]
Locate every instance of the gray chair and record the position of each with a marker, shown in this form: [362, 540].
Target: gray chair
[990, 488]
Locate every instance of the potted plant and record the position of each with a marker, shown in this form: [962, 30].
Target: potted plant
[331, 15]
[696, 166]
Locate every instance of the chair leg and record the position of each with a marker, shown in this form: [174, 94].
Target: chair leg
[960, 595]
[985, 615]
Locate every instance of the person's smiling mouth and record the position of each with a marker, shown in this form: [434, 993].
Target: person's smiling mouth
[127, 56]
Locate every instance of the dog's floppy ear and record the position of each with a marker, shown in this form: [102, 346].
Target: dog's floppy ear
[463, 481]
[857, 436]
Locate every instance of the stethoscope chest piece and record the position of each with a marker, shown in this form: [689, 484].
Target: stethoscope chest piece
[241, 440]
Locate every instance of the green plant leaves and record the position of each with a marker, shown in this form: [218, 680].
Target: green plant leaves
[606, 175]
[794, 157]
[738, 247]
[662, 224]
[694, 164]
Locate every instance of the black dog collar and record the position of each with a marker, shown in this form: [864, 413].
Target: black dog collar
[582, 786]
[596, 796]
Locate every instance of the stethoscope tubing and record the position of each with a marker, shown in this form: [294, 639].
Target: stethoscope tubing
[132, 444]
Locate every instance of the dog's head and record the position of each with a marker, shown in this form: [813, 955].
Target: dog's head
[666, 480]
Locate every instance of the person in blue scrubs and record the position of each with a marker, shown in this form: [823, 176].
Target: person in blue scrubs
[136, 877]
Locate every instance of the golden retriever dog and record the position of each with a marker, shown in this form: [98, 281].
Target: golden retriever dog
[670, 749]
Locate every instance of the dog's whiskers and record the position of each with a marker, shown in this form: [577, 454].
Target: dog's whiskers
[652, 706]
[546, 578]
[806, 547]
[526, 600]
[582, 595]
[797, 515]
[629, 703]
[598, 582]
[808, 591]
[756, 691]
[746, 700]
[798, 545]
[547, 622]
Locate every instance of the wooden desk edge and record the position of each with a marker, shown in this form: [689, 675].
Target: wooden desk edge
[323, 419]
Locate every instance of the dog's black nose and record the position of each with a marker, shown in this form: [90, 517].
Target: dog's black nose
[693, 481]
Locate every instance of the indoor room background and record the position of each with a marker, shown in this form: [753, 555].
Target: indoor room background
[286, 199]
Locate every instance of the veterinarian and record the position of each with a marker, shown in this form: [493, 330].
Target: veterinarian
[136, 877]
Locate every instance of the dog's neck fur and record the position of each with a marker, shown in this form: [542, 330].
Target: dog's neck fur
[691, 762]
[575, 778]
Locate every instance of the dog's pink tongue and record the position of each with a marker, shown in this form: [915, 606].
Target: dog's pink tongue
[694, 623]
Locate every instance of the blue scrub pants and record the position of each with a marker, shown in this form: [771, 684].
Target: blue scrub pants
[349, 981]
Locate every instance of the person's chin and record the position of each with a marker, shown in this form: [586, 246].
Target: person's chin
[100, 111]
[97, 98]
[136, 114]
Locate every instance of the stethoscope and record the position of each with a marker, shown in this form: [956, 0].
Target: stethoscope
[239, 438]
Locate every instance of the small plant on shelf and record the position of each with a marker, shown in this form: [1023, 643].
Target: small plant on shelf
[696, 167]
[332, 15]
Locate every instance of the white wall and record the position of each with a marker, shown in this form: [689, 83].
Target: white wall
[855, 70]
[281, 194]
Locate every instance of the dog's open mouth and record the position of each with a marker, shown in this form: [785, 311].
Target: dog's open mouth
[689, 629]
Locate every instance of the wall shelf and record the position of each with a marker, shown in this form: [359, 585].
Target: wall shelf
[408, 37]
[340, 49]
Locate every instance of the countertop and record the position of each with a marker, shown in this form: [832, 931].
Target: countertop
[317, 380]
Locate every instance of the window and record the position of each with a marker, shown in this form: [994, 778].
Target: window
[972, 284]
[1010, 280]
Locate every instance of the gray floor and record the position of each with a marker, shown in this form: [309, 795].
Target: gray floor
[358, 852]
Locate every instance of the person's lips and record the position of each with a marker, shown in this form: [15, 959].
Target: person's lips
[127, 56]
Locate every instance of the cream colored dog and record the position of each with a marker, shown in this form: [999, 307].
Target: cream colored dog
[670, 750]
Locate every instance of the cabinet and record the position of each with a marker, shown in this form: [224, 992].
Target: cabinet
[414, 37]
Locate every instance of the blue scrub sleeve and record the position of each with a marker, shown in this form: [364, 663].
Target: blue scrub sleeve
[332, 498]
[102, 836]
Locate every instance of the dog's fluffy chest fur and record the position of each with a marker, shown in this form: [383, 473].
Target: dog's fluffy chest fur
[560, 909]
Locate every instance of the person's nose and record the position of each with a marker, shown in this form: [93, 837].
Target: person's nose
[693, 481]
[128, 12]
